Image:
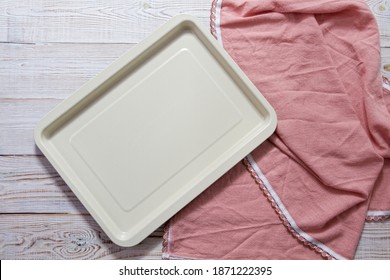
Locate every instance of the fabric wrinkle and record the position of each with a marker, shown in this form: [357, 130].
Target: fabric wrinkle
[306, 191]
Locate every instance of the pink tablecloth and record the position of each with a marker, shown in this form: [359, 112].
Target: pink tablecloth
[306, 192]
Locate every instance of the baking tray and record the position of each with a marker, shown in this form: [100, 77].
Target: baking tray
[153, 130]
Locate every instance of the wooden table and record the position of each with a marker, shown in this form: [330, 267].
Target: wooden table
[48, 49]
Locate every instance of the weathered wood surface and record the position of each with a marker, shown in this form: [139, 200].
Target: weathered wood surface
[48, 49]
[90, 21]
[66, 237]
[18, 118]
[385, 63]
[375, 241]
[117, 21]
[52, 70]
[29, 184]
[34, 78]
[43, 73]
[381, 10]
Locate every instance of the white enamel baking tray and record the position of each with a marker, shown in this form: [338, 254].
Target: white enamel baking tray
[155, 129]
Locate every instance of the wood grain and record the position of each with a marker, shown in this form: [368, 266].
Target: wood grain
[48, 49]
[18, 118]
[385, 64]
[118, 21]
[29, 184]
[50, 74]
[57, 70]
[79, 237]
[375, 241]
[52, 70]
[66, 237]
[90, 21]
[381, 11]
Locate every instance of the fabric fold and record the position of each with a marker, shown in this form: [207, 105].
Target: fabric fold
[305, 193]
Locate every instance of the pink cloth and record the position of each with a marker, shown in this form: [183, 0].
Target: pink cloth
[305, 193]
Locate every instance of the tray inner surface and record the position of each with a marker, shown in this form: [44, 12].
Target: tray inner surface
[145, 138]
[152, 127]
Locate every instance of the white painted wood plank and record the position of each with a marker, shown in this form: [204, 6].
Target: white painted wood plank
[3, 22]
[18, 118]
[385, 64]
[52, 70]
[29, 184]
[57, 70]
[90, 21]
[375, 241]
[117, 21]
[66, 237]
[381, 11]
[79, 237]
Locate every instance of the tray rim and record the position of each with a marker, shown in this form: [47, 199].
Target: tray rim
[41, 139]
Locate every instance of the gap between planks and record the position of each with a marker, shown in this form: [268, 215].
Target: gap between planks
[35, 78]
[89, 21]
[31, 192]
[123, 21]
[67, 237]
[38, 71]
[31, 184]
[79, 237]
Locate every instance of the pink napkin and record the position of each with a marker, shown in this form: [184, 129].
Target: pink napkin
[306, 192]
